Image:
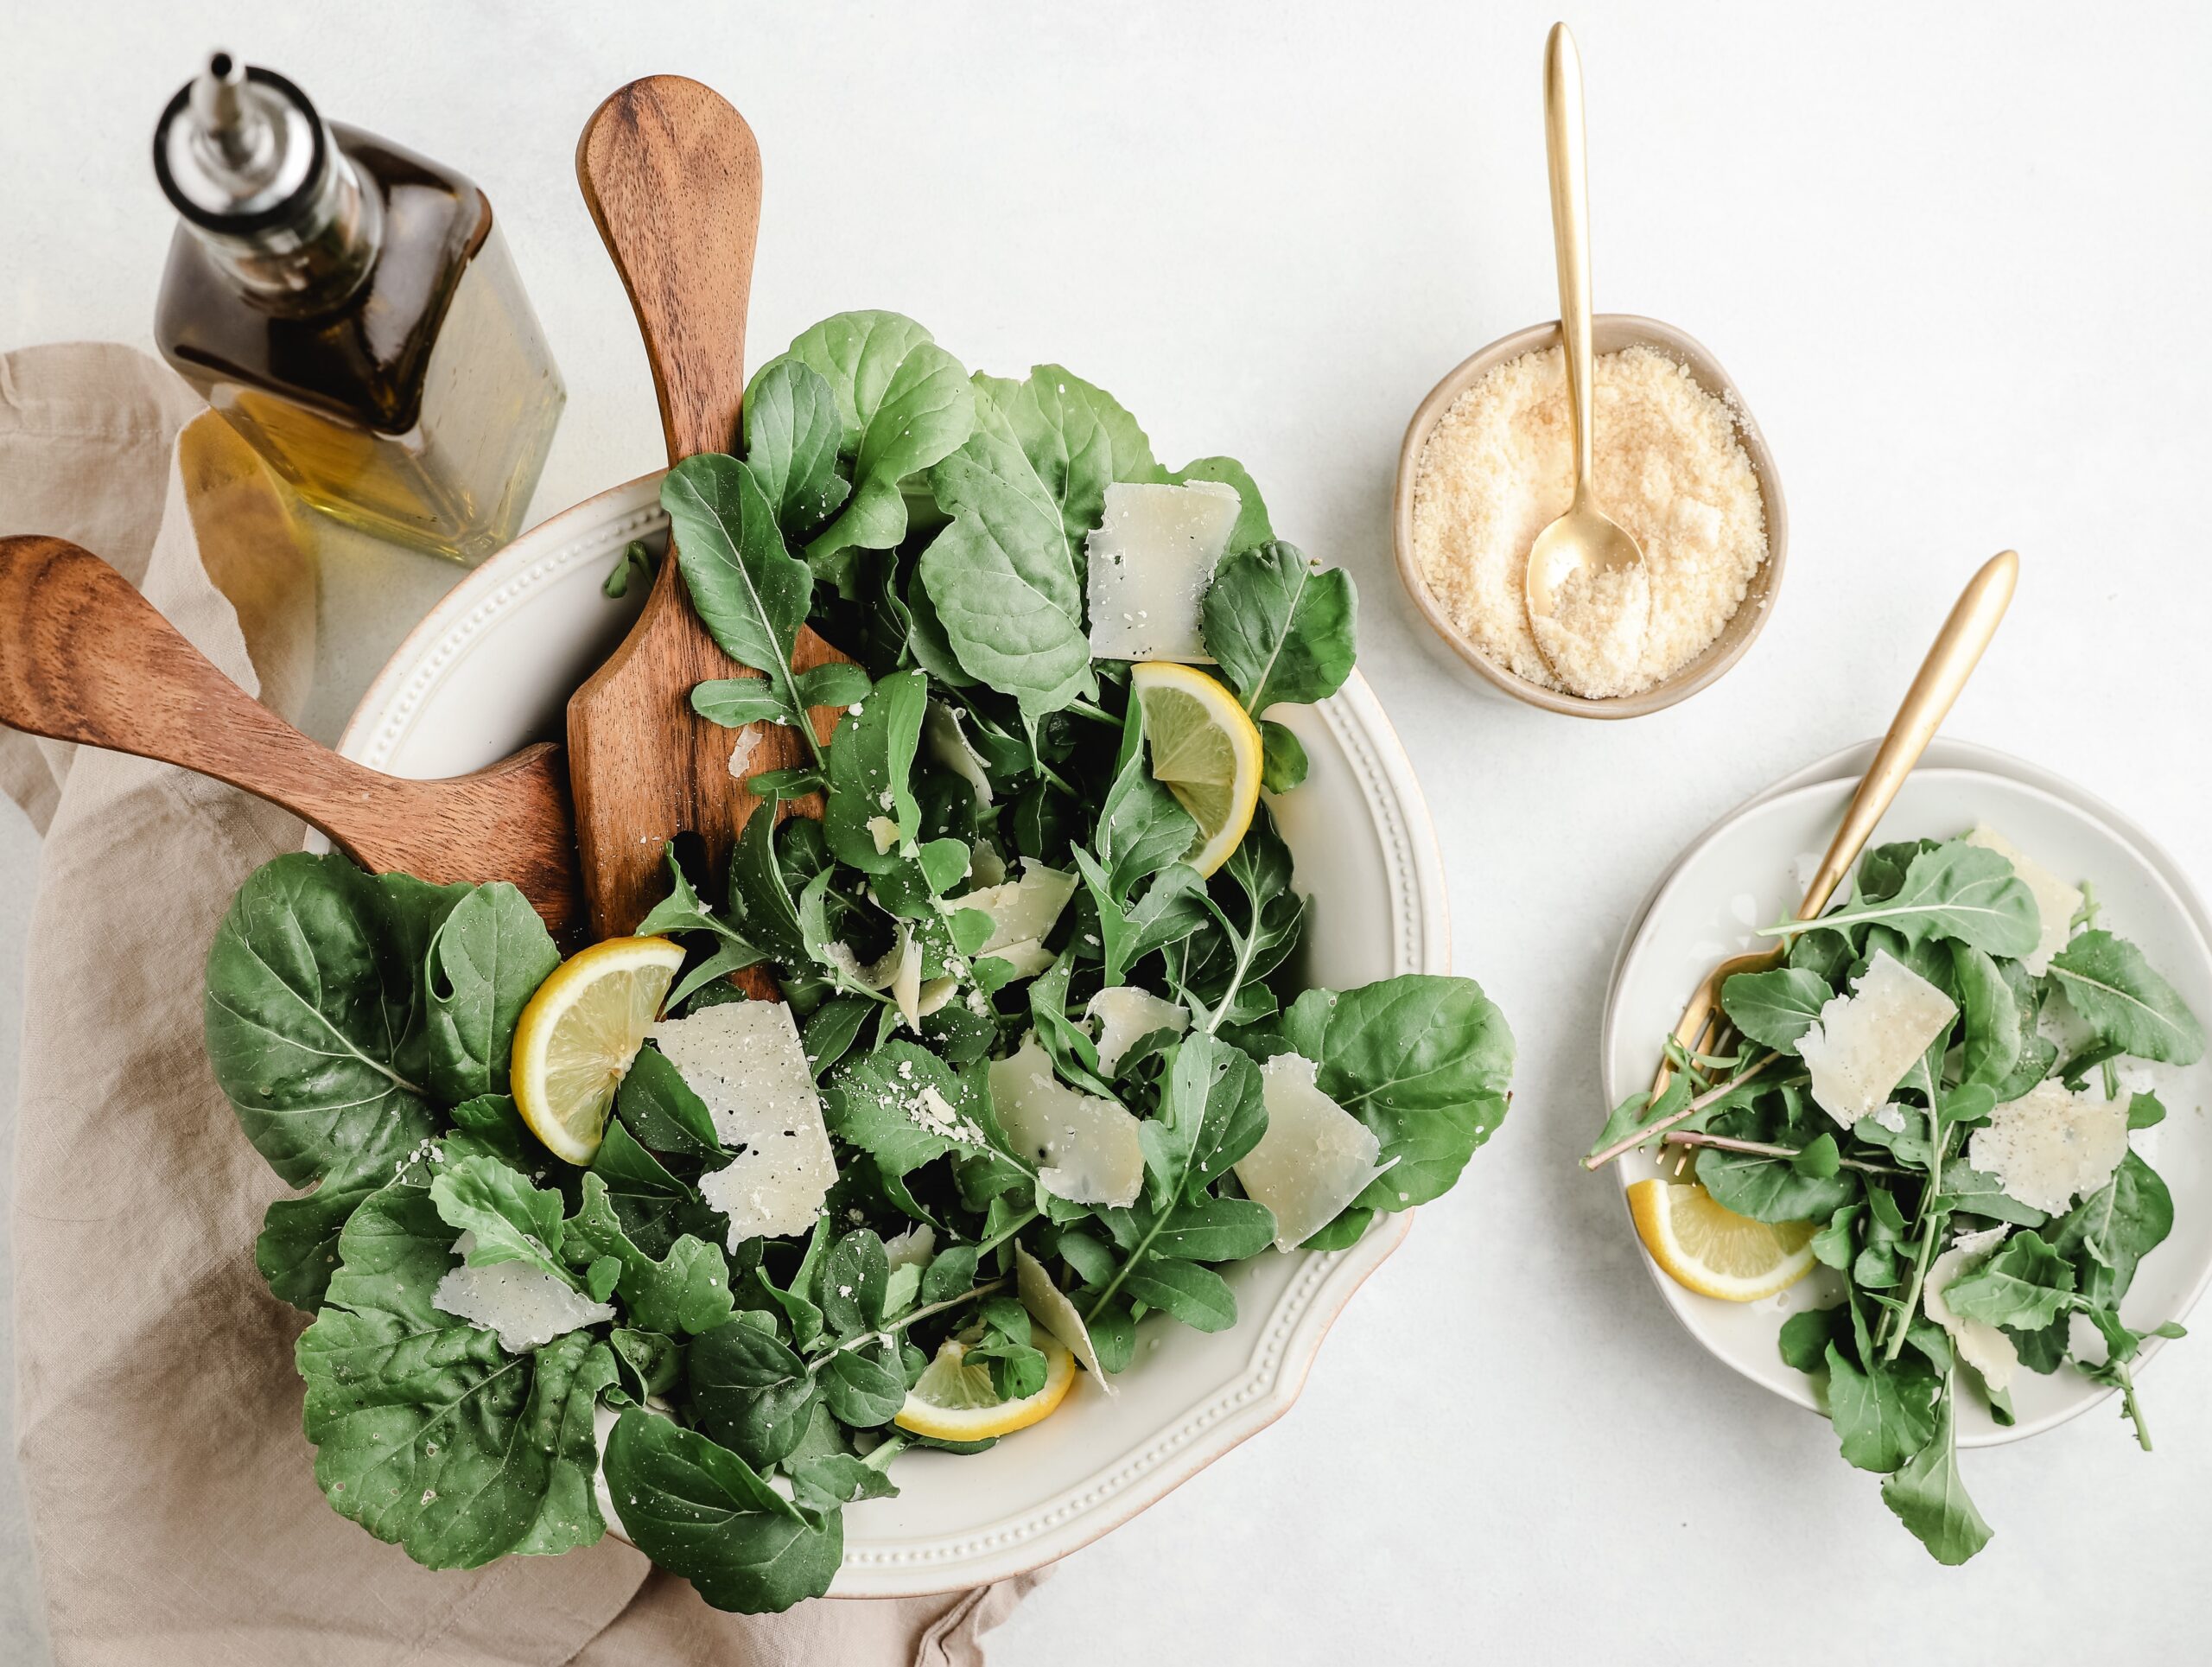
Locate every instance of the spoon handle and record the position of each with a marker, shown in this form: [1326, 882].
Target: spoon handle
[1564, 151]
[1956, 651]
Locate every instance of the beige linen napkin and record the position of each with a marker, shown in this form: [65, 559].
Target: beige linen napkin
[171, 1493]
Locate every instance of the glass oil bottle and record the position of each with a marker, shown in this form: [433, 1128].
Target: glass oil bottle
[351, 307]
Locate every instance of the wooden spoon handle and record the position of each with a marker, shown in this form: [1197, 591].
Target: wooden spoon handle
[85, 658]
[671, 175]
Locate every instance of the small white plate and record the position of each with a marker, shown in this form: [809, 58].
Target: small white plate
[1747, 872]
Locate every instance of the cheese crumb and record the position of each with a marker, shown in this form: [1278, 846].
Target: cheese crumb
[2056, 902]
[1862, 1045]
[744, 1059]
[1498, 467]
[2049, 1147]
[1315, 1157]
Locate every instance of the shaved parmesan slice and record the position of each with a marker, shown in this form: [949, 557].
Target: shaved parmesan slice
[1862, 1044]
[744, 1059]
[1024, 910]
[1086, 1148]
[1150, 563]
[1982, 1345]
[885, 832]
[1126, 1015]
[1315, 1157]
[1049, 1306]
[740, 755]
[1027, 959]
[528, 1307]
[1889, 1117]
[949, 746]
[2056, 901]
[2049, 1147]
[912, 1248]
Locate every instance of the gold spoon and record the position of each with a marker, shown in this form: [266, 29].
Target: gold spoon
[1583, 539]
[1950, 662]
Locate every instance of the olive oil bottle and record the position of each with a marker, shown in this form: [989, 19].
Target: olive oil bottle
[351, 307]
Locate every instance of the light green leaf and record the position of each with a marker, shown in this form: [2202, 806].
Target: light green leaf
[1282, 628]
[1077, 437]
[2115, 989]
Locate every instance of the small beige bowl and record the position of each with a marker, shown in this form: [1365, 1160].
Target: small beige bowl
[1609, 333]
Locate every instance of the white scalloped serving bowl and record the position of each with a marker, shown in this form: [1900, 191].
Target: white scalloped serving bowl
[491, 668]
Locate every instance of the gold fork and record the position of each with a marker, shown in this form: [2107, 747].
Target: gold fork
[1703, 1028]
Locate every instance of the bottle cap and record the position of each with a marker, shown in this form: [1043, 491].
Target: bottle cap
[238, 150]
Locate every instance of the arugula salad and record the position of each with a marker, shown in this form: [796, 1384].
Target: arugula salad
[1932, 1100]
[1047, 1059]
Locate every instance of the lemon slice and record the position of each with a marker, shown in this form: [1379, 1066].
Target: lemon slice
[1205, 750]
[953, 1401]
[577, 1036]
[1716, 1252]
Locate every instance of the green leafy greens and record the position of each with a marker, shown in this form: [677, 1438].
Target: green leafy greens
[994, 853]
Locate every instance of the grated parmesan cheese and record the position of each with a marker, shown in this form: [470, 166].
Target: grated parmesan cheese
[1982, 1345]
[744, 1059]
[1315, 1157]
[2049, 1147]
[1667, 466]
[1862, 1045]
[1126, 1017]
[2056, 902]
[1086, 1148]
[526, 1306]
[1150, 563]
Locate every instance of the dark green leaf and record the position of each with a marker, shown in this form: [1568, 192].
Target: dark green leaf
[2128, 1005]
[1775, 1009]
[1929, 1498]
[1282, 628]
[793, 435]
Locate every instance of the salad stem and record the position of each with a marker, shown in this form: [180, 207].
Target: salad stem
[1629, 1142]
[1004, 1234]
[886, 1333]
[1931, 1224]
[1763, 1149]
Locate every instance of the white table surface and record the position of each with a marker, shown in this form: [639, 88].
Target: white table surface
[1955, 259]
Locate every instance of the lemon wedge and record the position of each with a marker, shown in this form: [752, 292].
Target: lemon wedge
[955, 1401]
[1205, 750]
[1716, 1252]
[578, 1035]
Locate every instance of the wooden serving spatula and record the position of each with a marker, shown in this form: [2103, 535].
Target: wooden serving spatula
[672, 176]
[85, 658]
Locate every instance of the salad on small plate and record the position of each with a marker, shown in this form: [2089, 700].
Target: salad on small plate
[600, 1231]
[1925, 1182]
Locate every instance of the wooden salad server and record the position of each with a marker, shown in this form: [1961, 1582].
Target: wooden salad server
[85, 658]
[672, 177]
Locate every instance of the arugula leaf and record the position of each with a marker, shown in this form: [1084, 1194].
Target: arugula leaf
[1883, 1415]
[1141, 826]
[1775, 1009]
[1000, 580]
[2128, 1004]
[426, 1432]
[748, 1392]
[685, 1293]
[875, 1101]
[1282, 627]
[1959, 892]
[1990, 1012]
[1252, 527]
[919, 415]
[1930, 1499]
[1078, 439]
[317, 1014]
[512, 1220]
[2107, 1235]
[871, 775]
[1283, 763]
[486, 959]
[793, 433]
[699, 1511]
[750, 591]
[2024, 1285]
[854, 1277]
[662, 1111]
[1422, 1060]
